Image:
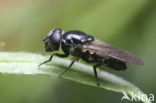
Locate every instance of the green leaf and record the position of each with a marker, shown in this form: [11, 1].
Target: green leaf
[27, 63]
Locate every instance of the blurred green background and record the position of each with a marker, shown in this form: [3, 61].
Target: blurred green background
[129, 24]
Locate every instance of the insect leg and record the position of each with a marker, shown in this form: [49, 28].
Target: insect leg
[56, 54]
[75, 59]
[95, 73]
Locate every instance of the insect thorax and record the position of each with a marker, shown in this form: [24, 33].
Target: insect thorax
[72, 40]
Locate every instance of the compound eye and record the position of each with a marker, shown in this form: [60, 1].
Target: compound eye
[54, 33]
[53, 40]
[56, 36]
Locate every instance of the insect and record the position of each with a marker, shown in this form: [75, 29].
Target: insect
[80, 45]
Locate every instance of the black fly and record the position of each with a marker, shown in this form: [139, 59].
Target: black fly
[80, 45]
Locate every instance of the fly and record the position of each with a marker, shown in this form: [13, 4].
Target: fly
[83, 46]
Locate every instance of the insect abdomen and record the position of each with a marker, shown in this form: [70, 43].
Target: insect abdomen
[115, 64]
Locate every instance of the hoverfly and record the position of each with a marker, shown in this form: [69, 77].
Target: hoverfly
[80, 45]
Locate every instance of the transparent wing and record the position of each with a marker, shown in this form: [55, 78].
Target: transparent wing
[103, 49]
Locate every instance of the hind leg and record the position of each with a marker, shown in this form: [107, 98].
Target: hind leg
[95, 73]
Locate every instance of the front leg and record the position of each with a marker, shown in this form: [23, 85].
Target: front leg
[56, 54]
